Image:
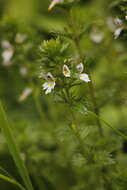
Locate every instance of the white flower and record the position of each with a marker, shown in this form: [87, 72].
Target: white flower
[7, 53]
[66, 71]
[82, 76]
[26, 92]
[5, 44]
[126, 17]
[50, 84]
[54, 2]
[96, 36]
[118, 32]
[80, 67]
[118, 21]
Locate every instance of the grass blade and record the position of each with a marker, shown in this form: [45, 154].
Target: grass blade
[13, 148]
[5, 172]
[12, 181]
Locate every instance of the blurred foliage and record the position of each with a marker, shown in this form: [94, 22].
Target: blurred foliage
[50, 150]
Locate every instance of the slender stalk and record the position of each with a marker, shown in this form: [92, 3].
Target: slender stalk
[76, 132]
[12, 181]
[95, 107]
[74, 125]
[110, 126]
[90, 84]
[13, 148]
[92, 94]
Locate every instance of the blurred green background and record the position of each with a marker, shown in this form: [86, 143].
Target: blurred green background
[47, 146]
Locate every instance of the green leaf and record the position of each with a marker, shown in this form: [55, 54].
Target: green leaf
[12, 181]
[13, 148]
[5, 172]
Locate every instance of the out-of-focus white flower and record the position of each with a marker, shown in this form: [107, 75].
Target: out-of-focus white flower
[23, 71]
[20, 38]
[7, 53]
[24, 95]
[54, 2]
[66, 71]
[6, 44]
[96, 36]
[82, 76]
[118, 21]
[118, 32]
[50, 84]
[126, 17]
[80, 67]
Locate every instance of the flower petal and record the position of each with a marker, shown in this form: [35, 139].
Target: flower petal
[48, 90]
[6, 44]
[49, 76]
[118, 32]
[80, 67]
[7, 55]
[53, 3]
[26, 92]
[66, 71]
[84, 77]
[48, 86]
[45, 85]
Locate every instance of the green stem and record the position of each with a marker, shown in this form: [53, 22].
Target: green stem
[76, 40]
[75, 36]
[77, 134]
[109, 125]
[74, 125]
[95, 107]
[12, 181]
[90, 84]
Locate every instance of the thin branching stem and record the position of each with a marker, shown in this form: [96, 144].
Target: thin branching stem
[95, 107]
[109, 125]
[74, 126]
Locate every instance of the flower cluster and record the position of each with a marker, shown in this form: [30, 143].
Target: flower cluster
[50, 83]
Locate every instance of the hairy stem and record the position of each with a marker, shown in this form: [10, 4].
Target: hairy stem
[74, 126]
[90, 84]
[95, 107]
